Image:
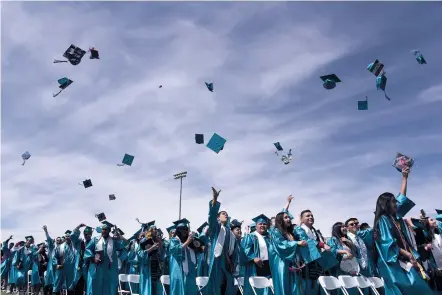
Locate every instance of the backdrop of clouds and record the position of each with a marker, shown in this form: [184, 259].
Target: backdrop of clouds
[265, 60]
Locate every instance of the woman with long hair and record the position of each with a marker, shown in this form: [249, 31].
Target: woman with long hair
[286, 281]
[344, 250]
[395, 258]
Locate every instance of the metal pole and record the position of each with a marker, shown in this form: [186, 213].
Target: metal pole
[181, 191]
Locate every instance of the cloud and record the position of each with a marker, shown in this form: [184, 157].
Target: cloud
[264, 59]
[432, 94]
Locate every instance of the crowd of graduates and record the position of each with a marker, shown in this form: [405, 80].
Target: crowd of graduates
[405, 252]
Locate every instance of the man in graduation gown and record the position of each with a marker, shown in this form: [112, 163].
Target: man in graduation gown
[83, 265]
[221, 280]
[182, 261]
[103, 268]
[50, 271]
[6, 260]
[26, 259]
[66, 262]
[203, 257]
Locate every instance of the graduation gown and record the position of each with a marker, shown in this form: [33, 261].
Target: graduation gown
[103, 277]
[203, 258]
[285, 282]
[146, 281]
[6, 259]
[367, 236]
[218, 268]
[67, 255]
[182, 267]
[251, 250]
[132, 260]
[397, 280]
[28, 258]
[49, 278]
[13, 271]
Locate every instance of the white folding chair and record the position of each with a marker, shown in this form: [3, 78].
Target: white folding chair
[240, 281]
[165, 280]
[259, 283]
[133, 279]
[122, 278]
[28, 287]
[349, 282]
[201, 282]
[363, 283]
[271, 285]
[330, 283]
[376, 283]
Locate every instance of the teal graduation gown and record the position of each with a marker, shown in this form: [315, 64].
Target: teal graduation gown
[367, 236]
[203, 257]
[13, 271]
[181, 283]
[285, 282]
[145, 275]
[6, 259]
[29, 261]
[50, 273]
[103, 277]
[218, 269]
[67, 255]
[250, 248]
[397, 280]
[134, 268]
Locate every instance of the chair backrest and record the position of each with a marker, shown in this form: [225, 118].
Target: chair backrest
[29, 272]
[123, 278]
[377, 282]
[259, 282]
[329, 283]
[135, 279]
[348, 282]
[165, 280]
[363, 282]
[202, 281]
[240, 281]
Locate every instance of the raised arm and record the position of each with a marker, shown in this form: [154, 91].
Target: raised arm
[404, 184]
[214, 206]
[289, 201]
[75, 237]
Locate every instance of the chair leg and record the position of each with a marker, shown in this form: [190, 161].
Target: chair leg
[374, 290]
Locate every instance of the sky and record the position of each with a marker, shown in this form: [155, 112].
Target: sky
[265, 60]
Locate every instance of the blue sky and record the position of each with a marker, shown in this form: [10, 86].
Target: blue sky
[265, 60]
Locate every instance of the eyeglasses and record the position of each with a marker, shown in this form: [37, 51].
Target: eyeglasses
[353, 224]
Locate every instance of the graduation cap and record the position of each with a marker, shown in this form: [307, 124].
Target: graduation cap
[381, 83]
[39, 245]
[64, 83]
[29, 238]
[25, 156]
[182, 223]
[439, 215]
[171, 228]
[127, 160]
[151, 224]
[330, 81]
[209, 86]
[94, 53]
[88, 230]
[73, 54]
[101, 217]
[235, 223]
[160, 232]
[202, 226]
[363, 104]
[216, 143]
[161, 86]
[404, 205]
[261, 219]
[417, 223]
[68, 232]
[284, 210]
[87, 183]
[419, 57]
[199, 138]
[402, 162]
[375, 67]
[119, 231]
[278, 146]
[112, 197]
[107, 224]
[252, 227]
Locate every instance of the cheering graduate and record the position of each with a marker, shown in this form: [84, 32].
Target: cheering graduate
[49, 278]
[103, 269]
[7, 255]
[220, 269]
[344, 250]
[25, 260]
[235, 227]
[283, 260]
[366, 234]
[203, 257]
[257, 248]
[366, 268]
[66, 262]
[83, 265]
[312, 270]
[182, 261]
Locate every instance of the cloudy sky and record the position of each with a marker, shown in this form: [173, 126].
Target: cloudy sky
[265, 60]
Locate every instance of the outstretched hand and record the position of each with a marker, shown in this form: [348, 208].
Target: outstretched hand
[215, 193]
[289, 198]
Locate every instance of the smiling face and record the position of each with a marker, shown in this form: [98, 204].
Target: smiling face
[353, 226]
[223, 216]
[307, 218]
[237, 232]
[261, 228]
[287, 220]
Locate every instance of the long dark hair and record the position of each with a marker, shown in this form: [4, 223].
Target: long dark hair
[280, 225]
[337, 233]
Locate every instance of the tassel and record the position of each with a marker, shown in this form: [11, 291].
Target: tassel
[120, 165]
[54, 95]
[386, 96]
[23, 163]
[56, 61]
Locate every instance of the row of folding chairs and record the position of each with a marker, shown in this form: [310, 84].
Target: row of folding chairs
[327, 283]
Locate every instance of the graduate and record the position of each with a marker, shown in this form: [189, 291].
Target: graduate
[66, 262]
[13, 271]
[365, 233]
[284, 260]
[313, 270]
[133, 261]
[235, 227]
[25, 259]
[103, 268]
[182, 261]
[345, 251]
[49, 278]
[7, 255]
[257, 248]
[83, 265]
[220, 269]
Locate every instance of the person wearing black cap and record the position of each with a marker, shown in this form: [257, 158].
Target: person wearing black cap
[66, 259]
[43, 260]
[102, 254]
[83, 265]
[220, 274]
[6, 261]
[238, 270]
[25, 259]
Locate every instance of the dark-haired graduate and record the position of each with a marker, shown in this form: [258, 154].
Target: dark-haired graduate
[396, 260]
[26, 259]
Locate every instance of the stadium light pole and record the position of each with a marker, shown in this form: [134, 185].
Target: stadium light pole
[180, 176]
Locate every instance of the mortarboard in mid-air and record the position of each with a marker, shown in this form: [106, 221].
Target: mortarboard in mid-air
[209, 86]
[376, 67]
[419, 57]
[363, 104]
[330, 81]
[87, 183]
[381, 84]
[25, 156]
[127, 160]
[199, 138]
[64, 83]
[216, 143]
[112, 197]
[73, 54]
[94, 53]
